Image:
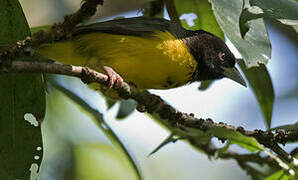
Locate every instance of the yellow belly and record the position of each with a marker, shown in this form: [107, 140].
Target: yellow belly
[157, 62]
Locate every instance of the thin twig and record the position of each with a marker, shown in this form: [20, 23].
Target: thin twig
[172, 11]
[155, 8]
[241, 159]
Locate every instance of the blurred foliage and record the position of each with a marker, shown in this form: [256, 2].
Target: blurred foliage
[100, 121]
[154, 9]
[94, 161]
[205, 19]
[67, 110]
[39, 28]
[279, 175]
[22, 104]
[287, 127]
[261, 84]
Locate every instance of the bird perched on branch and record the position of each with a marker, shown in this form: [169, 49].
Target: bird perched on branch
[152, 53]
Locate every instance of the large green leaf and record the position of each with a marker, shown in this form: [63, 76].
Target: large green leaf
[286, 11]
[22, 104]
[235, 137]
[205, 18]
[261, 84]
[12, 22]
[256, 47]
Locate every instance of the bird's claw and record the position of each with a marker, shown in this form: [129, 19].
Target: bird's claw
[115, 80]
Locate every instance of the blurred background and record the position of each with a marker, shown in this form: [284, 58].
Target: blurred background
[76, 144]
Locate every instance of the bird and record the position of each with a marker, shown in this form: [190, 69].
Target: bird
[151, 53]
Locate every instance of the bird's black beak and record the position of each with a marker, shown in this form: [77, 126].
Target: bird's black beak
[234, 74]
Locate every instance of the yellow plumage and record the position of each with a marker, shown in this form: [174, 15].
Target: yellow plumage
[159, 61]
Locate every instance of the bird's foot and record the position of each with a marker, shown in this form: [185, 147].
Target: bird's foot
[115, 80]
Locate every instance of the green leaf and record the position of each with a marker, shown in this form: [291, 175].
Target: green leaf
[244, 17]
[126, 108]
[279, 175]
[205, 85]
[38, 28]
[235, 137]
[289, 127]
[102, 162]
[12, 22]
[260, 82]
[22, 104]
[256, 47]
[168, 140]
[295, 28]
[205, 18]
[110, 103]
[286, 11]
[222, 150]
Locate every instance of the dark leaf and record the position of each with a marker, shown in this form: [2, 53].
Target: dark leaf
[126, 108]
[12, 22]
[260, 82]
[205, 85]
[244, 17]
[110, 103]
[22, 104]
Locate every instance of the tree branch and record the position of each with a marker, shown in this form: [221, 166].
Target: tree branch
[59, 30]
[155, 8]
[154, 104]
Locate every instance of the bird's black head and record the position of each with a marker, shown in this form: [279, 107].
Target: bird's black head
[214, 58]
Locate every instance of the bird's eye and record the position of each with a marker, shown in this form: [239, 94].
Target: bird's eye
[221, 56]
